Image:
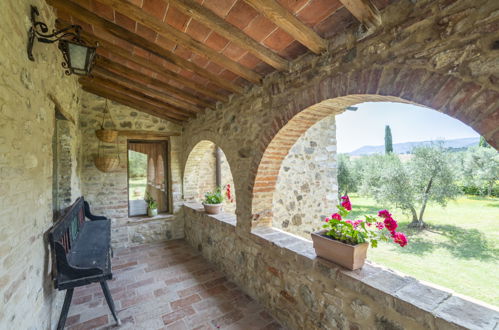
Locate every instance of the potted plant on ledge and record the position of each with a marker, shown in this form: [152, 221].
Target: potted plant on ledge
[152, 205]
[345, 241]
[213, 201]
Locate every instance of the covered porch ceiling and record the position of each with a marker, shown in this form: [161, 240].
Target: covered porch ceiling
[174, 58]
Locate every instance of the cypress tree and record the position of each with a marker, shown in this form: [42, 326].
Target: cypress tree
[388, 140]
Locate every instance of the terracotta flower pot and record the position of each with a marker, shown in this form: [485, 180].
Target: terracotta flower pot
[348, 256]
[212, 208]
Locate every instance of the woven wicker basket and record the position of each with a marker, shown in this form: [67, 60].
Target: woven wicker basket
[106, 135]
[106, 163]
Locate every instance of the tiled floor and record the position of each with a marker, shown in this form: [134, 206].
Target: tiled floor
[167, 286]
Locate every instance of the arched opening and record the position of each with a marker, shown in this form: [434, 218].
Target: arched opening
[286, 195]
[200, 174]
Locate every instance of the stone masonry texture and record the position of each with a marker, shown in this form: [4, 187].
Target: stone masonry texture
[441, 54]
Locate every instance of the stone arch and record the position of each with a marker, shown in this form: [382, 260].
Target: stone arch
[200, 173]
[464, 100]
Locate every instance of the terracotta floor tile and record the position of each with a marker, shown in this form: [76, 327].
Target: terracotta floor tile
[167, 286]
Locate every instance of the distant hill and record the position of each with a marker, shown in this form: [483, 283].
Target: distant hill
[405, 148]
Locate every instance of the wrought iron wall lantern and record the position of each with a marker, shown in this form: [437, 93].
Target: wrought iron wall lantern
[78, 55]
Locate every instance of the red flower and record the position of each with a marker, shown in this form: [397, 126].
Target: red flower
[227, 192]
[390, 224]
[336, 216]
[400, 239]
[327, 220]
[346, 203]
[384, 214]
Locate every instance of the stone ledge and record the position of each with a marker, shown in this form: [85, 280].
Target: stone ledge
[226, 218]
[140, 220]
[407, 293]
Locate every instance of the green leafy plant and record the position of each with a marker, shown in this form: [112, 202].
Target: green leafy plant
[151, 202]
[214, 197]
[371, 230]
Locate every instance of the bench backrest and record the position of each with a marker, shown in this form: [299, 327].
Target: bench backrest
[65, 230]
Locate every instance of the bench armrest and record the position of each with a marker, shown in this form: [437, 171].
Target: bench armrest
[90, 216]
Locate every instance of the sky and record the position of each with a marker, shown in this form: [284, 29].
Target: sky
[409, 123]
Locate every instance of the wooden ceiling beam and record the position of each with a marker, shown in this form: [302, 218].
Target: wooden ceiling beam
[365, 11]
[147, 64]
[101, 72]
[87, 16]
[281, 17]
[230, 32]
[109, 85]
[130, 73]
[129, 102]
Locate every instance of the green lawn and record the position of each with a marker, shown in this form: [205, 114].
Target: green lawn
[137, 188]
[459, 250]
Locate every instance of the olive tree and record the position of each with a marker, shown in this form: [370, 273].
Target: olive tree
[410, 186]
[480, 168]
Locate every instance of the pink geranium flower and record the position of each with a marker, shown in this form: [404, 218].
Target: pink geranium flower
[400, 239]
[380, 225]
[390, 224]
[336, 216]
[346, 203]
[384, 214]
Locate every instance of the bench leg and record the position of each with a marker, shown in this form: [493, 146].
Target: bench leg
[65, 309]
[109, 300]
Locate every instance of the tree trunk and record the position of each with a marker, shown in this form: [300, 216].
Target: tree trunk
[489, 189]
[419, 223]
[415, 222]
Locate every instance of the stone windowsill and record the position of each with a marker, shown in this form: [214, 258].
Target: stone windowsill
[226, 218]
[138, 220]
[405, 291]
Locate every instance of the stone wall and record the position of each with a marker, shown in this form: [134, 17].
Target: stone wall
[426, 52]
[30, 92]
[306, 190]
[107, 192]
[305, 292]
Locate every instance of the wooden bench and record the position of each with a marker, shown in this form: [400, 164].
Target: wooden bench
[82, 253]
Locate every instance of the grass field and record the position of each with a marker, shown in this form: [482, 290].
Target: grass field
[137, 188]
[459, 250]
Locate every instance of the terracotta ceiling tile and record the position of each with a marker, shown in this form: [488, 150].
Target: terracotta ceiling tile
[227, 75]
[278, 40]
[87, 4]
[198, 31]
[293, 5]
[176, 19]
[187, 74]
[214, 68]
[249, 60]
[183, 52]
[103, 52]
[165, 43]
[216, 41]
[317, 10]
[241, 15]
[133, 66]
[147, 72]
[337, 23]
[103, 10]
[146, 32]
[124, 44]
[260, 28]
[125, 21]
[263, 68]
[156, 59]
[234, 52]
[294, 50]
[219, 7]
[200, 61]
[156, 8]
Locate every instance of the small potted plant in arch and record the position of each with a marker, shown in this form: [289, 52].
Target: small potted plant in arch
[213, 200]
[345, 241]
[152, 205]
